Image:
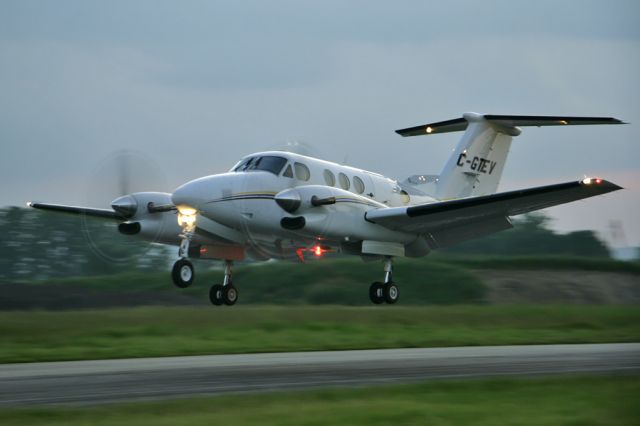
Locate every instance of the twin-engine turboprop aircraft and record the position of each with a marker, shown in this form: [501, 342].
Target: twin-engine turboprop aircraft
[283, 205]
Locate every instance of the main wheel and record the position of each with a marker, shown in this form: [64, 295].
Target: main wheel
[376, 293]
[183, 273]
[216, 294]
[391, 293]
[229, 295]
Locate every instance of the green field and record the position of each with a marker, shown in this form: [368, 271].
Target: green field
[159, 331]
[435, 280]
[524, 401]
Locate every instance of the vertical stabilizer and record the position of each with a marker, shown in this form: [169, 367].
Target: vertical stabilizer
[478, 160]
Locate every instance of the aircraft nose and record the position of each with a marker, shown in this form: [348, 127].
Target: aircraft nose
[188, 195]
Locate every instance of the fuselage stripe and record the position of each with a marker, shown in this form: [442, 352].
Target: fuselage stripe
[271, 196]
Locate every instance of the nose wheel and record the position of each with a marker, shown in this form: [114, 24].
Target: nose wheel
[387, 291]
[183, 273]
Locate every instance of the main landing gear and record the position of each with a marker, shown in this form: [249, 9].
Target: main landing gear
[387, 291]
[224, 293]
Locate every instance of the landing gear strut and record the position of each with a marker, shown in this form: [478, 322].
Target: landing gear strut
[224, 293]
[388, 291]
[182, 272]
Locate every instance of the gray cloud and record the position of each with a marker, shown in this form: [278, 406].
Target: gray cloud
[198, 84]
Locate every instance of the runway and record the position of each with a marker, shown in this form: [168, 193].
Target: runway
[106, 381]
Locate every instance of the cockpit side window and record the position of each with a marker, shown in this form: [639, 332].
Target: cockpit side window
[244, 164]
[267, 163]
[288, 172]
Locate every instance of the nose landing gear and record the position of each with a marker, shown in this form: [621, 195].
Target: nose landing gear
[388, 291]
[183, 273]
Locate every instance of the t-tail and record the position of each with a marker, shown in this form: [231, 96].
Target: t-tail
[476, 166]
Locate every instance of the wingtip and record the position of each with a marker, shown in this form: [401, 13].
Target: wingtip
[603, 184]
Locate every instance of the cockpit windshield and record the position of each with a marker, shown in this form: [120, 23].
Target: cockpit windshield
[267, 163]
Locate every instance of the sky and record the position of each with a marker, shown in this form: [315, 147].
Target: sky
[189, 87]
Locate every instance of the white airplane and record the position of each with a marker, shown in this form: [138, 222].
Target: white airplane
[284, 205]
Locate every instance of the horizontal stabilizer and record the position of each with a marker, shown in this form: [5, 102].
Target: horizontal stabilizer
[505, 121]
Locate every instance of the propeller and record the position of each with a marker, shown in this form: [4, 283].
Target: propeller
[111, 184]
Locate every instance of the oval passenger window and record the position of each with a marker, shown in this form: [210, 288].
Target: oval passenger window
[329, 178]
[358, 184]
[344, 181]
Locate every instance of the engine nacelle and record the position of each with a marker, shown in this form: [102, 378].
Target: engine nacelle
[323, 212]
[303, 198]
[144, 220]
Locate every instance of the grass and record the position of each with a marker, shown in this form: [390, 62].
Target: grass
[158, 331]
[541, 262]
[320, 282]
[523, 401]
[439, 280]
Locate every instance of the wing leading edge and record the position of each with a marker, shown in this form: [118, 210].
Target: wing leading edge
[449, 222]
[88, 211]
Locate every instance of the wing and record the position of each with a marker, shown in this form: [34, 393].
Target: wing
[88, 211]
[449, 222]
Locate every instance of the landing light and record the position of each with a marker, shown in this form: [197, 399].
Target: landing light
[186, 216]
[186, 219]
[429, 129]
[186, 210]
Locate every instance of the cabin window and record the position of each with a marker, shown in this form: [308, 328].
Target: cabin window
[358, 184]
[329, 178]
[302, 171]
[288, 172]
[344, 181]
[267, 163]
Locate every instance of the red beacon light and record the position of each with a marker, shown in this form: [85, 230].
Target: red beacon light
[317, 251]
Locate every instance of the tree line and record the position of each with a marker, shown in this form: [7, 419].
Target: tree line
[37, 245]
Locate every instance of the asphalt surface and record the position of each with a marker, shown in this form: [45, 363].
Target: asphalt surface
[106, 381]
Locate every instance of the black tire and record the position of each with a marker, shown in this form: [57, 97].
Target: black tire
[183, 273]
[216, 294]
[391, 293]
[230, 295]
[376, 293]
